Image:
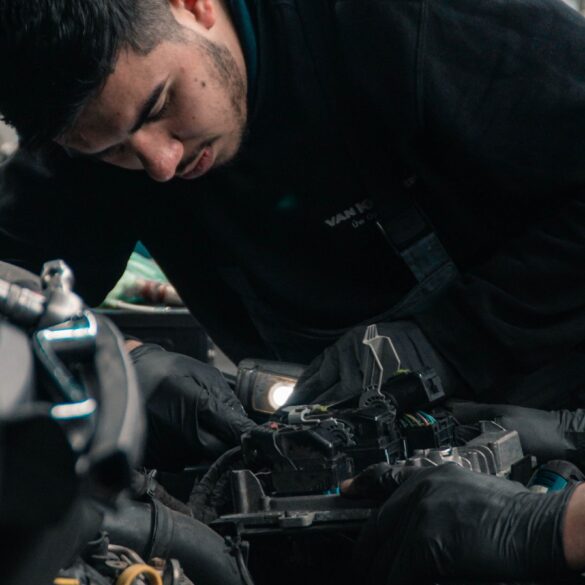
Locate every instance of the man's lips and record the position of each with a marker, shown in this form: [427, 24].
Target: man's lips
[202, 163]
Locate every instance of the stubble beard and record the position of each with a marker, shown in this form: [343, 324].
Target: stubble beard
[225, 71]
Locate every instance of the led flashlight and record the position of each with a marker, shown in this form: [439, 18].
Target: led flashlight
[264, 386]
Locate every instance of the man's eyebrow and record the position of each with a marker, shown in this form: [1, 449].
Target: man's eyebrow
[142, 117]
[147, 106]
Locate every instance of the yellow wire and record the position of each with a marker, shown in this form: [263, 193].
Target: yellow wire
[66, 581]
[412, 419]
[130, 574]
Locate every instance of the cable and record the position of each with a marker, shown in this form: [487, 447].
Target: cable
[129, 575]
[204, 490]
[411, 420]
[133, 556]
[276, 436]
[428, 417]
[423, 419]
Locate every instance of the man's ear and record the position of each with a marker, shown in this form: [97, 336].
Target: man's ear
[202, 10]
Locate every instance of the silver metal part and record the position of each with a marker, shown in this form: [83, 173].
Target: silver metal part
[432, 457]
[62, 303]
[69, 411]
[75, 335]
[57, 302]
[21, 305]
[56, 274]
[17, 384]
[74, 408]
[500, 447]
[493, 452]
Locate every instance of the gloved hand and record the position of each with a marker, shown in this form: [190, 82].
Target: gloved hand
[192, 412]
[451, 522]
[338, 373]
[546, 434]
[377, 481]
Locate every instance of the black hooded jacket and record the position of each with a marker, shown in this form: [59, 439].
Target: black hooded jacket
[278, 253]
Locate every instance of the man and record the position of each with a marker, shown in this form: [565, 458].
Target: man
[311, 181]
[317, 165]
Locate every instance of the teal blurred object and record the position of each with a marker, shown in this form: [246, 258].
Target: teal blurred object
[140, 248]
[142, 284]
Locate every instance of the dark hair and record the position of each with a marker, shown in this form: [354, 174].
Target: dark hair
[56, 54]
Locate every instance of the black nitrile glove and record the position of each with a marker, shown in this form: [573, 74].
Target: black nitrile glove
[193, 413]
[447, 521]
[377, 482]
[545, 434]
[338, 373]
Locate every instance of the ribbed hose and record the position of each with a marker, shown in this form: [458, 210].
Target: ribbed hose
[153, 530]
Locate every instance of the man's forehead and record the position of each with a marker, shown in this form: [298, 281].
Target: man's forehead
[113, 110]
[123, 87]
[97, 121]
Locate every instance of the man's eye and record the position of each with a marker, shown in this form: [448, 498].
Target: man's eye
[160, 113]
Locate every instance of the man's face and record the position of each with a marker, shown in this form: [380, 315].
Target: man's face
[177, 112]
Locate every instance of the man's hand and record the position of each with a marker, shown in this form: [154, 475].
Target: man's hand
[451, 522]
[377, 482]
[192, 412]
[547, 435]
[338, 372]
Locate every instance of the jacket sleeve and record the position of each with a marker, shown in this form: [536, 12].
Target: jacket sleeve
[50, 208]
[502, 91]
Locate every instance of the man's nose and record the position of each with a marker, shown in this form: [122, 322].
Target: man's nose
[159, 155]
